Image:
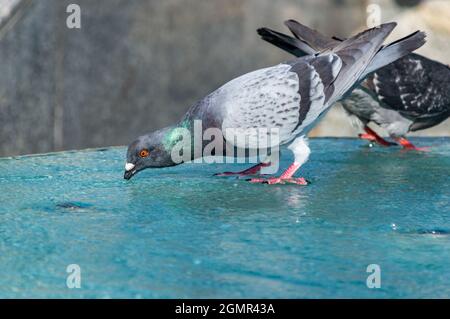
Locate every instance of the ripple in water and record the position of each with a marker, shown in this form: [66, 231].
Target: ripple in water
[73, 207]
[434, 232]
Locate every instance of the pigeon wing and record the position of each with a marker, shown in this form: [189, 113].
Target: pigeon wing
[415, 86]
[286, 98]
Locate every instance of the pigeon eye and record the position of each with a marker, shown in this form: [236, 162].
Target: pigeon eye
[144, 153]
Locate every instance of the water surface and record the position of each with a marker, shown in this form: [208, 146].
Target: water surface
[182, 233]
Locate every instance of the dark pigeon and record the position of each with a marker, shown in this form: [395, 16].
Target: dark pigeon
[409, 94]
[291, 97]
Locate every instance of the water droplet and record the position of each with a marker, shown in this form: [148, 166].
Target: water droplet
[197, 261]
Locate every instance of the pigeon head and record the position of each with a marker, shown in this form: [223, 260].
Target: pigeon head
[149, 151]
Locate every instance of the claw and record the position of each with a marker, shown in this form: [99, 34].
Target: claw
[250, 171]
[226, 174]
[285, 178]
[279, 180]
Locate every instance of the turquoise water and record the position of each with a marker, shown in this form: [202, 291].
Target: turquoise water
[182, 233]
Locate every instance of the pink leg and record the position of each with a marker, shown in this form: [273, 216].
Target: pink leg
[407, 145]
[286, 177]
[250, 171]
[372, 136]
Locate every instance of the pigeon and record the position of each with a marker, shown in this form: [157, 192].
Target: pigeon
[291, 97]
[408, 95]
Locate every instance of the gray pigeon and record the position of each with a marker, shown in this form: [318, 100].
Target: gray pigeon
[409, 94]
[291, 97]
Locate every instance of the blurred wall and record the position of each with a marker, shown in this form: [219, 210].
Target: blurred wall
[431, 16]
[137, 65]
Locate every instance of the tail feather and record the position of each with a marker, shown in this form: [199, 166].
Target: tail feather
[368, 36]
[396, 50]
[287, 43]
[357, 53]
[313, 40]
[292, 45]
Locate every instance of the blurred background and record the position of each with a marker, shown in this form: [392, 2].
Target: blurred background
[137, 65]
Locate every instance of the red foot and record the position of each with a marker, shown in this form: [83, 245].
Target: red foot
[279, 180]
[286, 177]
[407, 145]
[250, 171]
[372, 136]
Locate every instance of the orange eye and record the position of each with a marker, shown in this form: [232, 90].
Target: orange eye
[144, 153]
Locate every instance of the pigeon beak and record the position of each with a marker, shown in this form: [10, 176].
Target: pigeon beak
[130, 171]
